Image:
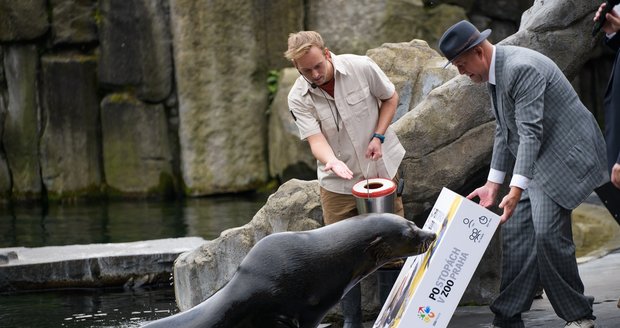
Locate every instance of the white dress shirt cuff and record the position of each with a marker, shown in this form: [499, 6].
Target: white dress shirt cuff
[519, 181]
[496, 176]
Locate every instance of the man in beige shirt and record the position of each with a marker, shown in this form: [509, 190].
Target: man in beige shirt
[343, 105]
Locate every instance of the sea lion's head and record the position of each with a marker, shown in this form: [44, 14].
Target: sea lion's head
[396, 237]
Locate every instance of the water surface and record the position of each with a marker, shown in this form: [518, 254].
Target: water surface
[109, 222]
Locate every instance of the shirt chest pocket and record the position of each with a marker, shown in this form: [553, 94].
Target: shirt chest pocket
[327, 115]
[357, 101]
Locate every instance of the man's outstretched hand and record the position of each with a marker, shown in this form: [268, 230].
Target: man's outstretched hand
[488, 193]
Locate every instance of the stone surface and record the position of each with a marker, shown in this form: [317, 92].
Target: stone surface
[443, 149]
[595, 232]
[414, 68]
[556, 28]
[70, 142]
[289, 156]
[377, 22]
[503, 10]
[136, 151]
[499, 29]
[96, 265]
[21, 126]
[222, 96]
[135, 47]
[73, 21]
[6, 257]
[5, 179]
[23, 20]
[120, 43]
[275, 20]
[5, 176]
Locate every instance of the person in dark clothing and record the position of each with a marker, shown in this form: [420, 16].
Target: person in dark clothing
[611, 101]
[612, 95]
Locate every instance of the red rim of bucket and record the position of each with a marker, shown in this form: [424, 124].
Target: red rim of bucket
[376, 193]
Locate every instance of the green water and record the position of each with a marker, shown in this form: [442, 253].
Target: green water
[115, 222]
[109, 222]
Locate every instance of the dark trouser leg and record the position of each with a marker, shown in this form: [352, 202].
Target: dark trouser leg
[352, 308]
[519, 270]
[556, 259]
[538, 249]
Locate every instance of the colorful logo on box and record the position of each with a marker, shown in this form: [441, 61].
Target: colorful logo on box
[425, 313]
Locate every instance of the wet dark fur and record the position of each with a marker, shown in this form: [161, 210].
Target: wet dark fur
[291, 279]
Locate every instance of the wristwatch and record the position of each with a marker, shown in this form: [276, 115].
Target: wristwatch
[379, 136]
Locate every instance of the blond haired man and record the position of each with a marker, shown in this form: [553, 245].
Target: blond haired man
[343, 106]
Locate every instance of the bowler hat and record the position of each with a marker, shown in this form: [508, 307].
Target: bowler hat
[459, 38]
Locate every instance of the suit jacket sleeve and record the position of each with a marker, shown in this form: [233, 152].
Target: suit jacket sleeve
[527, 88]
[501, 159]
[613, 43]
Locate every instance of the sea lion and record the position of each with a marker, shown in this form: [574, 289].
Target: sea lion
[292, 279]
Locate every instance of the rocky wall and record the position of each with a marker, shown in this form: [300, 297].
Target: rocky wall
[204, 66]
[70, 141]
[136, 153]
[21, 125]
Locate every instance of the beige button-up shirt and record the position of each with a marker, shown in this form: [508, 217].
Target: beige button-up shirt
[359, 86]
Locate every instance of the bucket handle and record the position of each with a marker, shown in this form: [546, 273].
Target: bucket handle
[367, 182]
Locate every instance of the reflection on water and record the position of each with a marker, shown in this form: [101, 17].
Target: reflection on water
[86, 308]
[116, 222]
[109, 222]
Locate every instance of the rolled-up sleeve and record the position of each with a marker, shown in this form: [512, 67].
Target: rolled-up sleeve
[306, 122]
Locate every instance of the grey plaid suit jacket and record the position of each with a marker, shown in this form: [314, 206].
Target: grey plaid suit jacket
[543, 129]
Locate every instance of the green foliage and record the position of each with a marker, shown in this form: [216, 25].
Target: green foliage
[272, 83]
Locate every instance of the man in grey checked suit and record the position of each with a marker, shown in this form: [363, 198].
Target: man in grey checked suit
[556, 152]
